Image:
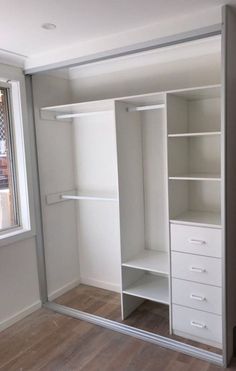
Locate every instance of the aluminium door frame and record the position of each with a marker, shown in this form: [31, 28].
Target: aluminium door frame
[198, 34]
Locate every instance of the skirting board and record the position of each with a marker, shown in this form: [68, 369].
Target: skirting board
[100, 284]
[20, 315]
[62, 290]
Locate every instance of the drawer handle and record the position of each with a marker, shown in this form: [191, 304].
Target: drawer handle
[197, 270]
[197, 324]
[197, 297]
[196, 242]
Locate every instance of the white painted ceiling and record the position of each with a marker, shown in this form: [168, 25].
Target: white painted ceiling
[90, 26]
[83, 20]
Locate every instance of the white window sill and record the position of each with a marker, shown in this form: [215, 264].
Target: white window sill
[16, 235]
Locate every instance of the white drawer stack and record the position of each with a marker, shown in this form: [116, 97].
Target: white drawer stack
[197, 283]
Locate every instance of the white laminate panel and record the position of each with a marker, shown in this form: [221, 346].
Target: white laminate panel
[196, 268]
[197, 296]
[202, 325]
[196, 240]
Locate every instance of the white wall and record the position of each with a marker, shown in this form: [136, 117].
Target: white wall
[19, 287]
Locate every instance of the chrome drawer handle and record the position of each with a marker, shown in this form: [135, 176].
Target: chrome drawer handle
[197, 297]
[196, 242]
[197, 324]
[197, 270]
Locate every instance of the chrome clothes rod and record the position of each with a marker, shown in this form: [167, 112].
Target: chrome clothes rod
[146, 108]
[79, 114]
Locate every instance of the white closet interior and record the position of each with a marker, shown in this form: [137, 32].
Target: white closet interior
[131, 193]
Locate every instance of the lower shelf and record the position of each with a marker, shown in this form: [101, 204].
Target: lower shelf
[150, 287]
[150, 260]
[211, 219]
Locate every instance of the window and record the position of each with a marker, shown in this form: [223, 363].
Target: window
[9, 216]
[15, 209]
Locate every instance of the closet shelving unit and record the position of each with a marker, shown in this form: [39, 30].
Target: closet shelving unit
[167, 160]
[194, 152]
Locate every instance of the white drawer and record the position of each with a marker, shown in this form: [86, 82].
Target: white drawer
[197, 296]
[199, 325]
[196, 268]
[196, 240]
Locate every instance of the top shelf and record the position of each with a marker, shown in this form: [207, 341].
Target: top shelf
[199, 134]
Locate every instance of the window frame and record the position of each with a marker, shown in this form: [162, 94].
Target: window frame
[20, 161]
[12, 163]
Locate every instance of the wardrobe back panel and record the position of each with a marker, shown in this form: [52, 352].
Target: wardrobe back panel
[95, 152]
[99, 244]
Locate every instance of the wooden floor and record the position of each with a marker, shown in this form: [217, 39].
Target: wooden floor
[51, 342]
[149, 316]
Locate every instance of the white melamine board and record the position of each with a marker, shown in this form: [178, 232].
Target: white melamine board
[197, 154]
[204, 154]
[192, 116]
[99, 244]
[177, 114]
[204, 218]
[150, 287]
[93, 106]
[129, 304]
[186, 321]
[204, 115]
[204, 196]
[153, 127]
[199, 92]
[130, 170]
[56, 157]
[95, 153]
[150, 260]
[61, 245]
[197, 296]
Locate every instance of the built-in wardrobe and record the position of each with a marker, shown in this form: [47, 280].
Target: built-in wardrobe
[138, 204]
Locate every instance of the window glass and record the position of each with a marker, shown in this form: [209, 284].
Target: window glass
[8, 196]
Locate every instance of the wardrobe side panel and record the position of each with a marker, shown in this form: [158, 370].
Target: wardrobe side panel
[229, 119]
[56, 170]
[130, 178]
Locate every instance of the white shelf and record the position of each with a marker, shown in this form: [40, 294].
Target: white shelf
[190, 217]
[150, 260]
[201, 134]
[200, 176]
[150, 287]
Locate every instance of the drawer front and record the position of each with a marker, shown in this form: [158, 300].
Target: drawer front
[196, 323]
[196, 268]
[197, 296]
[196, 240]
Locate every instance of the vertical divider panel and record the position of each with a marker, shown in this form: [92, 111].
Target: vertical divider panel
[130, 180]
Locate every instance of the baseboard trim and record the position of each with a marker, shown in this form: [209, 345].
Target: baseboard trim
[62, 290]
[100, 284]
[20, 315]
[137, 333]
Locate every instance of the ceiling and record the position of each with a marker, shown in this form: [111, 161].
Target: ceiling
[80, 21]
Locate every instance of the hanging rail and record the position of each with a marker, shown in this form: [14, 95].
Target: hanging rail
[146, 108]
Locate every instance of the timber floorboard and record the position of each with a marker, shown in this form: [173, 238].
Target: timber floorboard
[49, 341]
[149, 316]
